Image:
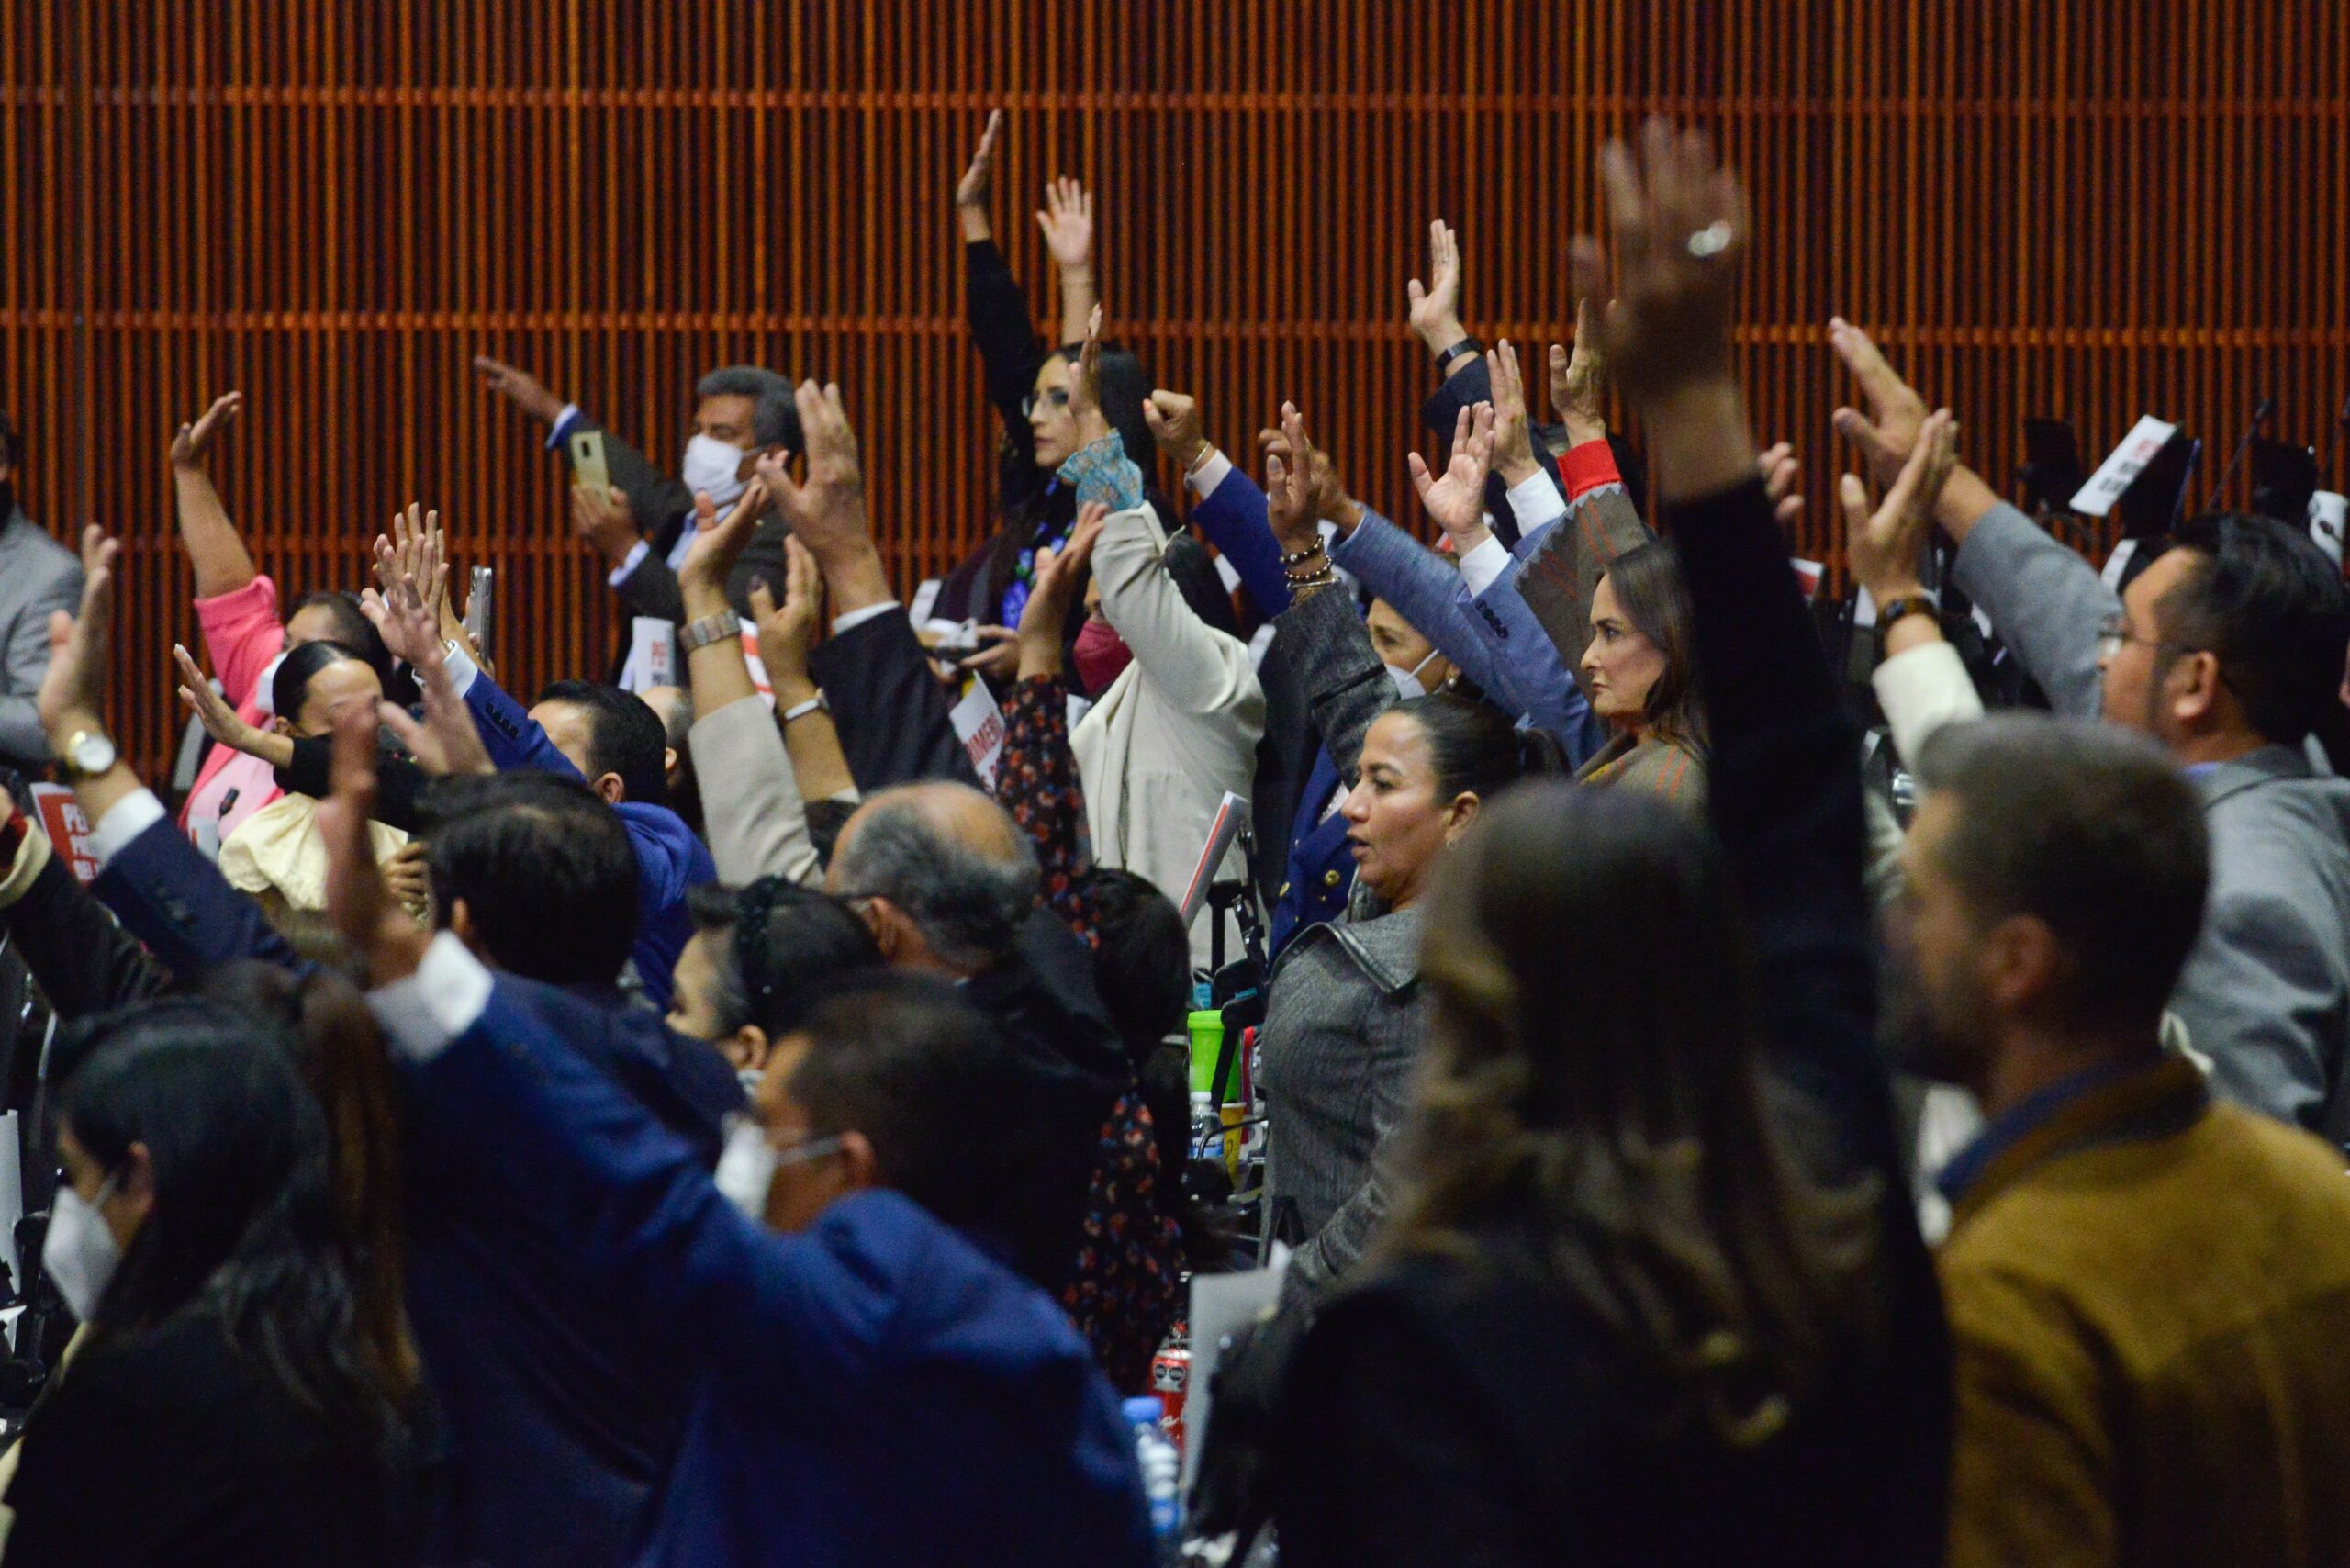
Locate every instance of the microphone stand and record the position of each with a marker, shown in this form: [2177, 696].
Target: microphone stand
[2261, 412]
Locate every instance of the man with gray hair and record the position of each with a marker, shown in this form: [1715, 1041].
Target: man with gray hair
[947, 883]
[2145, 1287]
[643, 520]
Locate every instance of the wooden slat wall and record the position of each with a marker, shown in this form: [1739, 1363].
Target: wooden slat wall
[2044, 206]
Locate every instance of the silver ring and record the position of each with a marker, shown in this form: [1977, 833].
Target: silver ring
[1710, 242]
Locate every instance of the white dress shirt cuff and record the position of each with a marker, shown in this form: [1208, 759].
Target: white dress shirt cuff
[635, 558]
[124, 821]
[1209, 474]
[859, 617]
[426, 1012]
[564, 420]
[1536, 502]
[1482, 567]
[462, 669]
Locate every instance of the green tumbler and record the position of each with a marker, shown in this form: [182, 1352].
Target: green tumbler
[1207, 1044]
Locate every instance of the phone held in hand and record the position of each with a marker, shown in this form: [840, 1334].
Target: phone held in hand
[588, 470]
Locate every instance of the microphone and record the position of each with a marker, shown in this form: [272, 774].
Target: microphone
[2261, 412]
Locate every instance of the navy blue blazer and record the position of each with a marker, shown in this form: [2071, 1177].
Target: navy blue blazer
[1321, 872]
[559, 1406]
[875, 1390]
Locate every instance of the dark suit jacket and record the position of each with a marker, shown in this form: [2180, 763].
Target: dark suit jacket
[560, 1410]
[890, 711]
[663, 509]
[1473, 385]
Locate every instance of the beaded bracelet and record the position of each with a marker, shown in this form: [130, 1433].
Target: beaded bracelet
[1302, 556]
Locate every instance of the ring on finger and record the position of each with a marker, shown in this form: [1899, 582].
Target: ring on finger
[1711, 241]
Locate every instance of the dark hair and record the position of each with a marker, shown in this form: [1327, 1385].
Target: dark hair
[904, 1059]
[12, 446]
[1647, 581]
[2265, 599]
[966, 902]
[1474, 746]
[1615, 1103]
[785, 944]
[356, 633]
[243, 1226]
[624, 736]
[774, 416]
[1123, 387]
[1195, 578]
[545, 867]
[2091, 829]
[336, 1048]
[290, 687]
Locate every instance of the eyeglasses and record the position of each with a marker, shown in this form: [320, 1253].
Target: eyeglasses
[1057, 396]
[2115, 631]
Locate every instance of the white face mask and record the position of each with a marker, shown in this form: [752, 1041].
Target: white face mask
[264, 686]
[711, 468]
[746, 1170]
[80, 1253]
[1407, 681]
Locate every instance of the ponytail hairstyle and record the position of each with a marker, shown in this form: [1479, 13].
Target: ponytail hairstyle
[1647, 584]
[1476, 749]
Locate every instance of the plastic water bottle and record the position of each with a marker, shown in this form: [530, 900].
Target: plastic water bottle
[1162, 1471]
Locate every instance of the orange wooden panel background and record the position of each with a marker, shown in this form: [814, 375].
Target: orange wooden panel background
[2045, 205]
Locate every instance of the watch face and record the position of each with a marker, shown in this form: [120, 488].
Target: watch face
[92, 754]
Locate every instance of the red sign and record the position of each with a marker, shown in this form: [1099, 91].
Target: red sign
[68, 829]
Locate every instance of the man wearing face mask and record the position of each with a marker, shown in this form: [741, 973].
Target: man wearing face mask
[37, 575]
[644, 522]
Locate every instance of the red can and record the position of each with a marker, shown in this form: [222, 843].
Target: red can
[1170, 1376]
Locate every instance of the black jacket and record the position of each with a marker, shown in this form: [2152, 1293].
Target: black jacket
[1472, 1412]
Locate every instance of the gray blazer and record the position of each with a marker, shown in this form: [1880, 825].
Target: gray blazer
[2265, 995]
[37, 575]
[1343, 1029]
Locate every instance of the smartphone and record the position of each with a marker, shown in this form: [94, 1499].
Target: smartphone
[588, 470]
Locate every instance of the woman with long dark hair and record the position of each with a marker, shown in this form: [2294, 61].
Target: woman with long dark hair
[230, 1403]
[1654, 1291]
[1637, 673]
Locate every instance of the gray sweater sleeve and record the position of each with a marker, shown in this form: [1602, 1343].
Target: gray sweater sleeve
[1345, 683]
[2045, 602]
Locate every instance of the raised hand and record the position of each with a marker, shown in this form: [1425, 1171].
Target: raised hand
[827, 511]
[1680, 227]
[358, 902]
[1174, 420]
[73, 688]
[397, 609]
[1456, 500]
[1289, 494]
[1578, 381]
[603, 519]
[1780, 471]
[221, 720]
[786, 631]
[1059, 578]
[407, 876]
[1436, 305]
[1884, 546]
[1331, 502]
[972, 189]
[1513, 434]
[526, 390]
[718, 544]
[189, 445]
[1067, 223]
[1888, 432]
[1085, 386]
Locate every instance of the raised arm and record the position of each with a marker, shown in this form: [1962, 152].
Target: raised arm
[1067, 223]
[2044, 600]
[1230, 510]
[1345, 685]
[214, 547]
[787, 635]
[1036, 777]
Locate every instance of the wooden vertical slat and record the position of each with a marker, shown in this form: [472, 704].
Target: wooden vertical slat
[2041, 206]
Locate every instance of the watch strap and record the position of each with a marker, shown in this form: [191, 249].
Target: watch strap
[1907, 604]
[801, 709]
[724, 627]
[1469, 344]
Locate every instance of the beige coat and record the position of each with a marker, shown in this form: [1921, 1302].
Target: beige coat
[1174, 732]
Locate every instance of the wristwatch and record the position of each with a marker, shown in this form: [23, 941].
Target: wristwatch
[801, 709]
[1906, 604]
[723, 627]
[86, 754]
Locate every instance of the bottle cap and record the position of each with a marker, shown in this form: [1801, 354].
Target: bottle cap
[1144, 1408]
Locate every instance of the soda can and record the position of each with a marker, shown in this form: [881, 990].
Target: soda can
[1170, 1375]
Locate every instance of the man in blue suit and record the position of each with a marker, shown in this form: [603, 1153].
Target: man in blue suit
[874, 1384]
[559, 1406]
